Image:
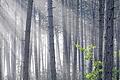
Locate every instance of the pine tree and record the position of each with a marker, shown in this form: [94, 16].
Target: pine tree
[27, 41]
[109, 35]
[51, 40]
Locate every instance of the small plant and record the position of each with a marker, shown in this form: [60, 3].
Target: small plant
[93, 75]
[114, 73]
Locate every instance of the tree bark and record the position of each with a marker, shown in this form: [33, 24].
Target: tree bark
[118, 46]
[101, 29]
[39, 39]
[7, 56]
[74, 76]
[27, 41]
[109, 36]
[1, 61]
[51, 40]
[65, 50]
[35, 47]
[82, 54]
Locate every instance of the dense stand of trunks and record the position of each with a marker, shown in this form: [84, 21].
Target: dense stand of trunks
[39, 42]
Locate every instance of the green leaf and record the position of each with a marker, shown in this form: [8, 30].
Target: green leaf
[77, 45]
[82, 49]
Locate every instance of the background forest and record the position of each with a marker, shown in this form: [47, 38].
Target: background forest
[59, 39]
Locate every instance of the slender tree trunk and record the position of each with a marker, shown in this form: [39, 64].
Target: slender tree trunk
[73, 42]
[48, 67]
[13, 59]
[74, 76]
[58, 53]
[51, 40]
[118, 55]
[109, 36]
[22, 42]
[101, 29]
[27, 41]
[82, 54]
[42, 50]
[118, 46]
[94, 30]
[65, 50]
[7, 56]
[35, 47]
[1, 61]
[13, 51]
[39, 39]
[69, 39]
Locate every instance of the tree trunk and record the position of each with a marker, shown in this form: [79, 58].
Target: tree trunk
[109, 36]
[27, 41]
[1, 61]
[51, 40]
[65, 50]
[74, 76]
[58, 53]
[35, 47]
[118, 46]
[69, 39]
[118, 55]
[101, 29]
[39, 39]
[13, 58]
[82, 54]
[7, 56]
